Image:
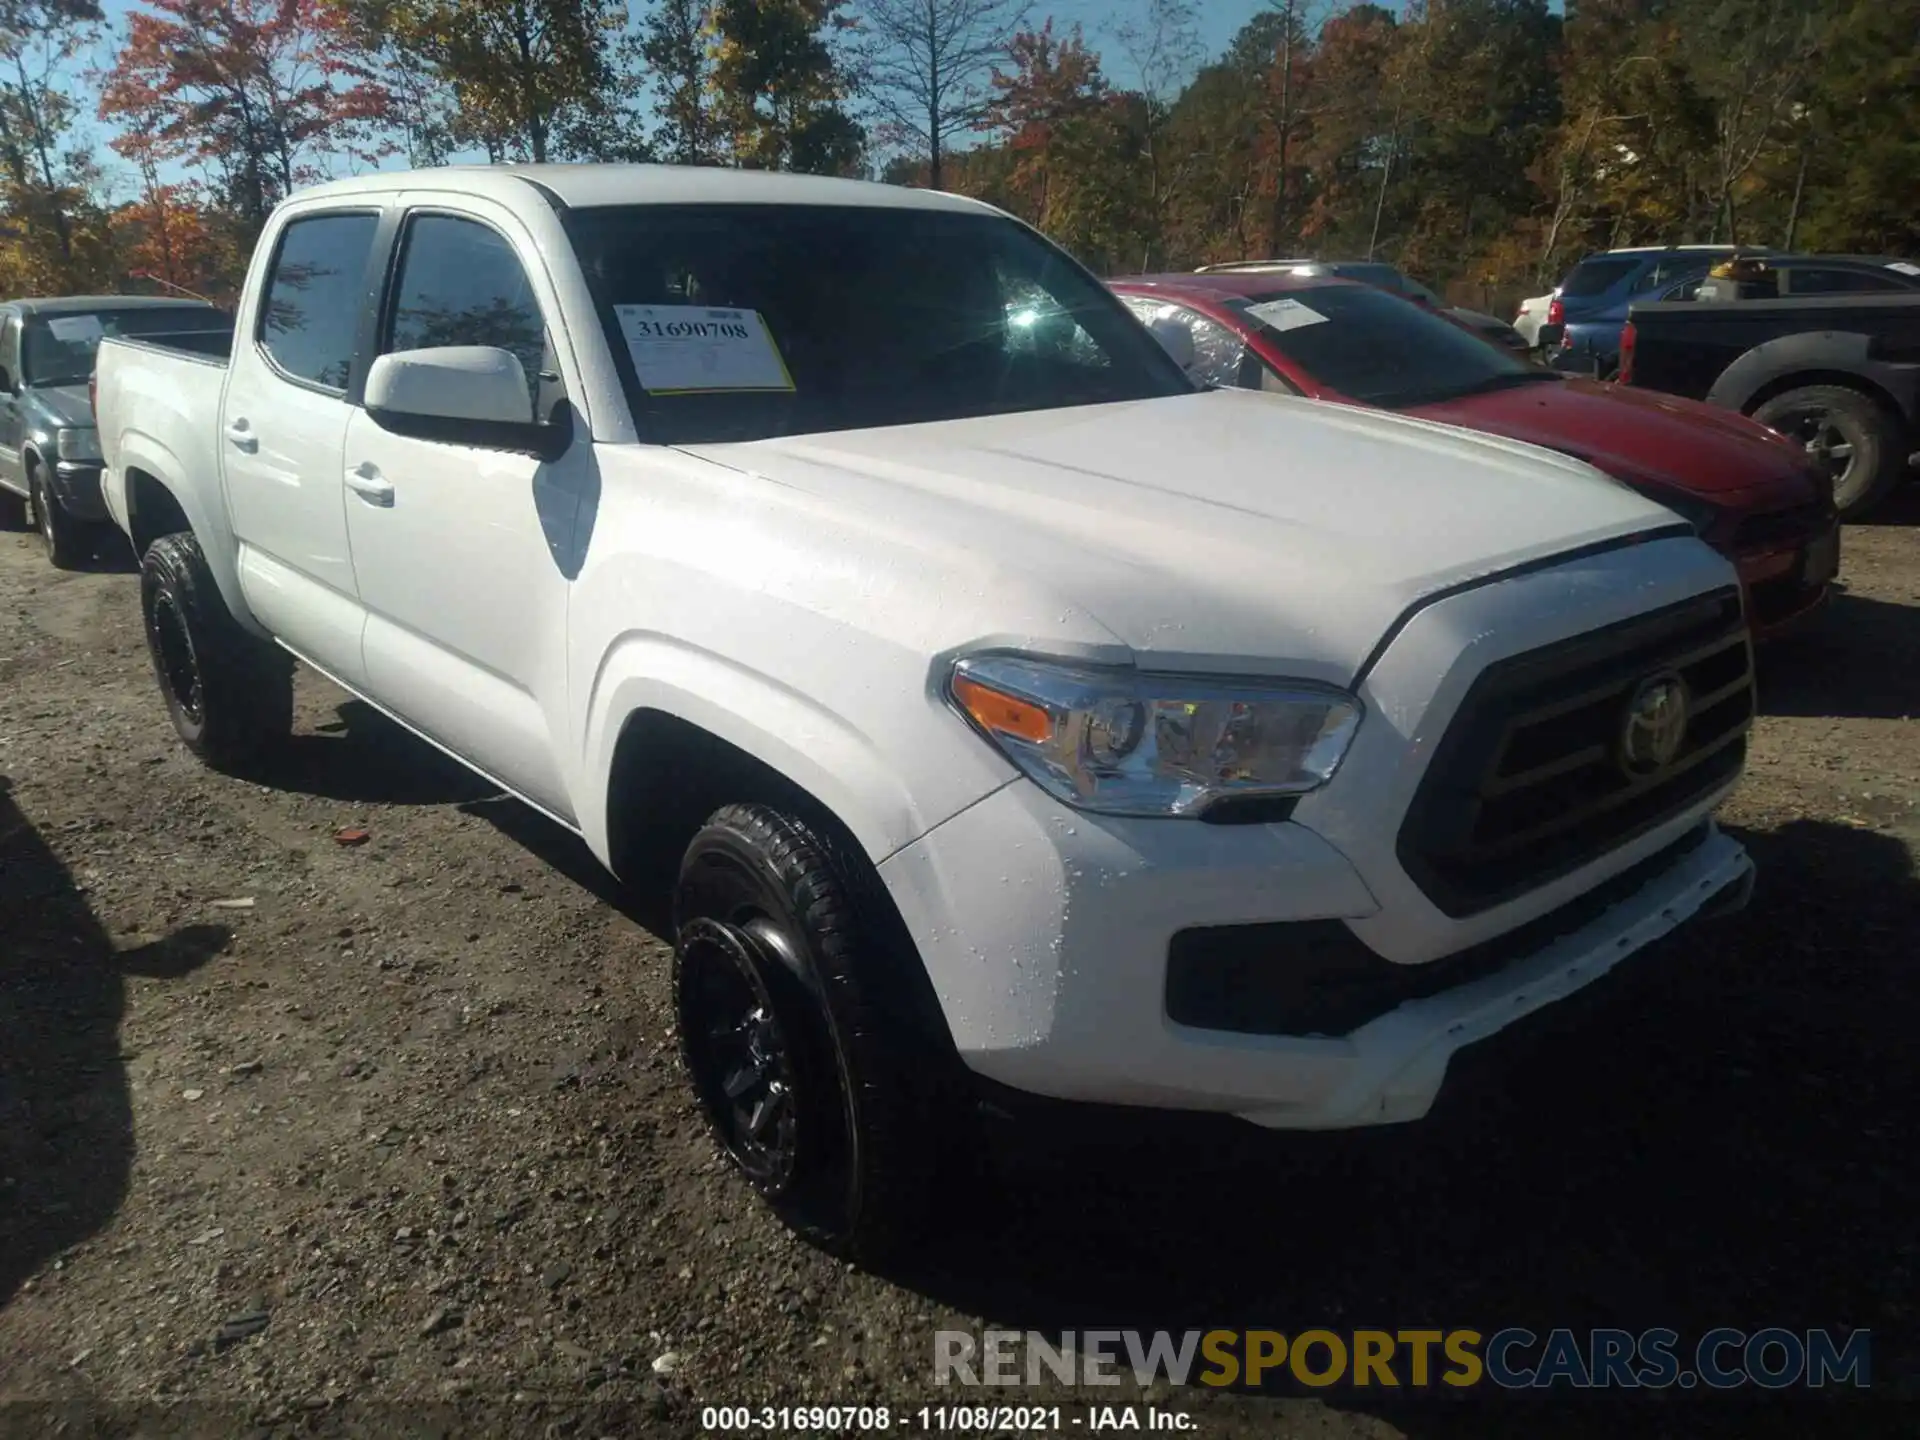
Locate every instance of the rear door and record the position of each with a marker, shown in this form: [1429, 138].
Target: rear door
[283, 427]
[464, 554]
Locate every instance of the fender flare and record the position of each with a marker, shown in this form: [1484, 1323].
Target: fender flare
[791, 733]
[206, 518]
[1818, 354]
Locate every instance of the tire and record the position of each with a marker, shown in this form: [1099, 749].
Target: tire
[229, 694]
[13, 511]
[798, 1032]
[69, 542]
[1831, 418]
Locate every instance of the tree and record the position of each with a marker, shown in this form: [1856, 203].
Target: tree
[1163, 42]
[44, 186]
[780, 87]
[675, 45]
[927, 66]
[262, 92]
[530, 79]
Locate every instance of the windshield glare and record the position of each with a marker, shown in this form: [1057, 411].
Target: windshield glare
[59, 349]
[741, 322]
[1378, 349]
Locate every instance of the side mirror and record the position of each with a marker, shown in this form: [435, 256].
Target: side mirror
[451, 382]
[1175, 338]
[463, 395]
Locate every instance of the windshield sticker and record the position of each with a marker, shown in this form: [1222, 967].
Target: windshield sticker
[74, 329]
[688, 349]
[1285, 314]
[1904, 268]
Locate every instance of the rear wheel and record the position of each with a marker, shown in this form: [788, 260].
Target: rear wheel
[815, 1080]
[1850, 438]
[69, 541]
[229, 694]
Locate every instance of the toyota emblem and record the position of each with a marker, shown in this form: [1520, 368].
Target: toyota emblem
[1656, 725]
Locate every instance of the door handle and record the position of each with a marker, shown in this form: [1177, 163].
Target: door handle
[367, 482]
[242, 436]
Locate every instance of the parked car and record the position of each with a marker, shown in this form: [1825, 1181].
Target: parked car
[1837, 373]
[1395, 282]
[1749, 495]
[1000, 710]
[1582, 330]
[49, 450]
[1533, 314]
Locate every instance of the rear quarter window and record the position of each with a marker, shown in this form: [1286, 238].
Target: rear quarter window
[1593, 277]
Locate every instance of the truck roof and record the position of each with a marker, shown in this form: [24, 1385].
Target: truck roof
[79, 304]
[586, 186]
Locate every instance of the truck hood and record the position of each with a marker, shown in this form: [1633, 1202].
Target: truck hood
[57, 405]
[1208, 531]
[1641, 436]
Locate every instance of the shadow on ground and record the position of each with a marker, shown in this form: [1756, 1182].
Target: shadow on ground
[360, 756]
[1861, 658]
[1721, 1133]
[66, 1136]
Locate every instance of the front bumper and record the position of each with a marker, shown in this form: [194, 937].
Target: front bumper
[76, 485]
[1788, 581]
[1047, 931]
[1055, 983]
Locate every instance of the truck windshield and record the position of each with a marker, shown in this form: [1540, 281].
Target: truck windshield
[1380, 350]
[58, 349]
[742, 322]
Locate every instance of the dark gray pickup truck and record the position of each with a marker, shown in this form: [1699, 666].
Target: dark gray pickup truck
[49, 448]
[1840, 373]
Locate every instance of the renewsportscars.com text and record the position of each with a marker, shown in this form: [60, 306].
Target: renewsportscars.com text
[1513, 1358]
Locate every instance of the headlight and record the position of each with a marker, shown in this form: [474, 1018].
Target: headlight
[1124, 743]
[77, 444]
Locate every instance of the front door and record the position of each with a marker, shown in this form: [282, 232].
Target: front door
[282, 431]
[12, 472]
[464, 586]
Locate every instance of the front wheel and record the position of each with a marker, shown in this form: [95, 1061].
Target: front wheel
[1849, 437]
[69, 542]
[230, 695]
[813, 1077]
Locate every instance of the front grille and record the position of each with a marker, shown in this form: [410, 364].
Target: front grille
[1779, 529]
[1316, 977]
[1527, 785]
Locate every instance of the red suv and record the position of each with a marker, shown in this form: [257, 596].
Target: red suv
[1749, 492]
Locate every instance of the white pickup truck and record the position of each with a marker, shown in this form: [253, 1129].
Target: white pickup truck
[1004, 713]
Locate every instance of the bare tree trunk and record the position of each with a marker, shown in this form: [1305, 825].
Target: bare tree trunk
[1799, 189]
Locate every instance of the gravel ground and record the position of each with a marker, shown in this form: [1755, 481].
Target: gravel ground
[306, 1137]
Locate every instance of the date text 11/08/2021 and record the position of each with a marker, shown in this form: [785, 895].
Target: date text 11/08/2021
[957, 1419]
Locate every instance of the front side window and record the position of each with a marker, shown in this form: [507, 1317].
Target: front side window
[59, 349]
[462, 284]
[314, 295]
[742, 322]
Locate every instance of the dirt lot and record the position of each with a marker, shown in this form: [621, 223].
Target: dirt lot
[307, 1138]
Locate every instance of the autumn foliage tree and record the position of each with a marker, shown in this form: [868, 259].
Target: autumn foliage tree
[255, 92]
[780, 85]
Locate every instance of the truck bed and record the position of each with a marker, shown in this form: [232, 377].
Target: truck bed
[157, 402]
[1684, 346]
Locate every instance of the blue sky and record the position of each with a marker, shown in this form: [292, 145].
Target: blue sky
[1219, 21]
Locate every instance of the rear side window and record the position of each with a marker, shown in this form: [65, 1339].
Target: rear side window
[314, 295]
[1592, 277]
[1837, 282]
[462, 284]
